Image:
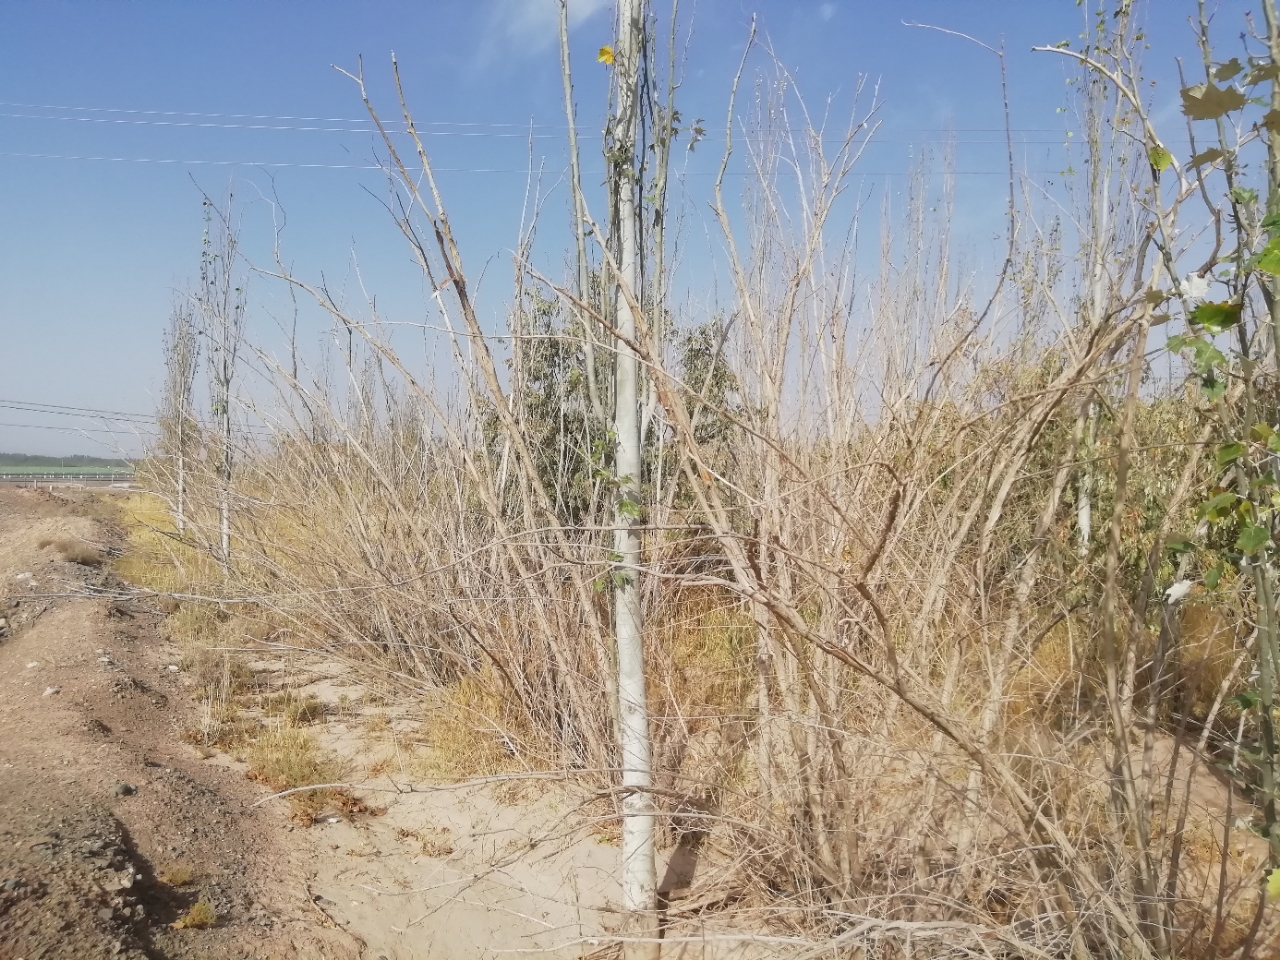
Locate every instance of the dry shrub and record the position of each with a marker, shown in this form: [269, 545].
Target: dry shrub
[200, 916]
[155, 558]
[293, 709]
[177, 875]
[286, 759]
[77, 551]
[473, 729]
[906, 684]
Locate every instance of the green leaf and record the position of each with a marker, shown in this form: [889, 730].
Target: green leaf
[1261, 432]
[1252, 539]
[1228, 69]
[1161, 159]
[1273, 883]
[1212, 155]
[1229, 453]
[1212, 388]
[1273, 443]
[1244, 196]
[1216, 317]
[1204, 101]
[1178, 545]
[1215, 508]
[1247, 700]
[1213, 576]
[1269, 259]
[1207, 358]
[628, 508]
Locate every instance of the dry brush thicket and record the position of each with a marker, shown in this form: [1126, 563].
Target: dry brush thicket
[917, 678]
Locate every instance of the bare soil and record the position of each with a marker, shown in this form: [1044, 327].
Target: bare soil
[104, 811]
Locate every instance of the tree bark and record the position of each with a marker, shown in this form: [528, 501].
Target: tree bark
[639, 875]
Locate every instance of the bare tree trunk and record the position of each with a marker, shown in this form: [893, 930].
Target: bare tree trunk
[221, 300]
[224, 478]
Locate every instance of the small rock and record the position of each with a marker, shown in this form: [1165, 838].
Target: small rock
[33, 664]
[106, 913]
[118, 882]
[13, 884]
[173, 668]
[24, 576]
[125, 790]
[50, 691]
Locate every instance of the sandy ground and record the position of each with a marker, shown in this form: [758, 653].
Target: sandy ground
[104, 806]
[99, 799]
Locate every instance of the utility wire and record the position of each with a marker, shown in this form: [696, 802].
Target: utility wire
[44, 426]
[38, 407]
[522, 171]
[525, 136]
[92, 413]
[428, 123]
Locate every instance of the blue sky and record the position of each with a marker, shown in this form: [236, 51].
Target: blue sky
[96, 232]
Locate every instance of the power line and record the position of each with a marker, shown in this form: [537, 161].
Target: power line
[523, 171]
[252, 163]
[55, 407]
[92, 413]
[149, 421]
[429, 123]
[45, 426]
[264, 116]
[268, 126]
[433, 134]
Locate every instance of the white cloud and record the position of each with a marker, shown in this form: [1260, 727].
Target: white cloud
[827, 11]
[535, 24]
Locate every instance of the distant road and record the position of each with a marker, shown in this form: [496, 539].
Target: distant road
[62, 478]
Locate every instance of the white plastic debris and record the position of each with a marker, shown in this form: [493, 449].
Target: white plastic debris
[1177, 591]
[1195, 286]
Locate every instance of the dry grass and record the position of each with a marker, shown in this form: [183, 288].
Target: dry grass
[75, 551]
[200, 916]
[884, 666]
[288, 758]
[293, 709]
[178, 875]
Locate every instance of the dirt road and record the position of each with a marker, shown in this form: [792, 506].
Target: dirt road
[111, 828]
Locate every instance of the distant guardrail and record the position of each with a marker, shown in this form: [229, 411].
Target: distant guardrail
[65, 477]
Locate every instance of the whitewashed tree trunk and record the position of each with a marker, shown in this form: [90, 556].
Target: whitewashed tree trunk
[182, 355]
[639, 876]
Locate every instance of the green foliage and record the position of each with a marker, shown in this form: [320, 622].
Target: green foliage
[1160, 158]
[550, 400]
[1269, 259]
[1216, 317]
